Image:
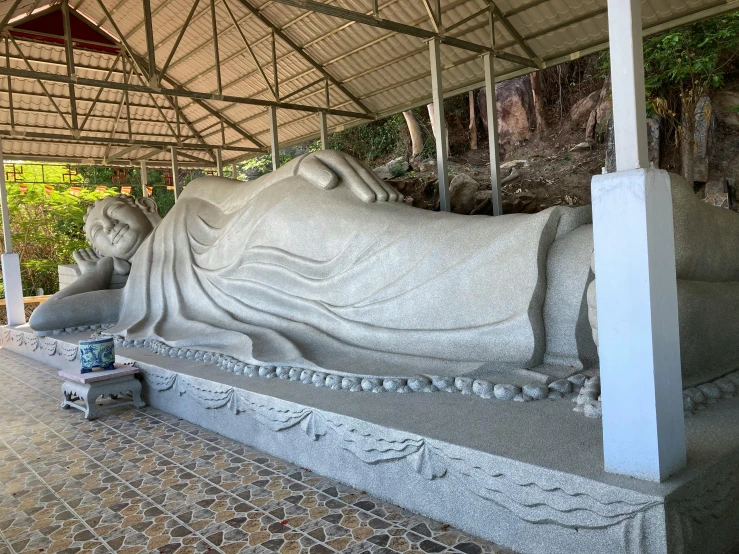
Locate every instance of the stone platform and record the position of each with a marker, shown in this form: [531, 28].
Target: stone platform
[524, 475]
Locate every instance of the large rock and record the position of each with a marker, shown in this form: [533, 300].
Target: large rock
[726, 104]
[610, 141]
[703, 134]
[516, 114]
[462, 191]
[393, 168]
[580, 112]
[654, 139]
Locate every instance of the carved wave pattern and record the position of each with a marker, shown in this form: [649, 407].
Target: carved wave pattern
[529, 501]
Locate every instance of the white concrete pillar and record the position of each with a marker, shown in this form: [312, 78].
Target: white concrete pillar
[219, 162]
[175, 173]
[638, 333]
[627, 84]
[274, 140]
[492, 115]
[324, 130]
[144, 179]
[235, 171]
[11, 263]
[439, 124]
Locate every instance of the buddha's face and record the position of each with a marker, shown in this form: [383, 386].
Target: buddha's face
[116, 226]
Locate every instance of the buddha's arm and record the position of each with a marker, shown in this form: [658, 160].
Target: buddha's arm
[87, 301]
[329, 169]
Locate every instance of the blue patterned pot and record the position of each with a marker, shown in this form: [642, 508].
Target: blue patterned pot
[96, 353]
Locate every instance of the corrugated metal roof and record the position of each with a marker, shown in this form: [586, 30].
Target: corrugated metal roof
[384, 70]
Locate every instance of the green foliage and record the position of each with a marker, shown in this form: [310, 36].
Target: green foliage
[46, 227]
[696, 57]
[260, 165]
[370, 141]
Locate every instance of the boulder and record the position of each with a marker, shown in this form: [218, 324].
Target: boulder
[580, 112]
[726, 104]
[462, 191]
[654, 138]
[603, 114]
[393, 168]
[516, 114]
[427, 165]
[703, 134]
[581, 146]
[514, 163]
[610, 140]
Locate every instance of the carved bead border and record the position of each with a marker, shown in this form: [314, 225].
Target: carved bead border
[418, 383]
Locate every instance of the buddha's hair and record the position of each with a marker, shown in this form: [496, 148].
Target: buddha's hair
[130, 201]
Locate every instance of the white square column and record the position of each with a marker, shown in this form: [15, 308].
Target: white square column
[175, 173]
[13, 289]
[219, 162]
[638, 333]
[324, 130]
[492, 116]
[274, 139]
[439, 123]
[11, 262]
[144, 179]
[636, 286]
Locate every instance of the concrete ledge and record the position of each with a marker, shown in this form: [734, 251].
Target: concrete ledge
[527, 476]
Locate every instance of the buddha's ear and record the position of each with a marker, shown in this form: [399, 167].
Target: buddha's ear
[147, 204]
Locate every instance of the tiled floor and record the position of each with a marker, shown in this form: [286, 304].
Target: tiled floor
[145, 481]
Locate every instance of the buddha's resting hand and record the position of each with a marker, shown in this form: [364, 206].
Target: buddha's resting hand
[328, 169]
[89, 262]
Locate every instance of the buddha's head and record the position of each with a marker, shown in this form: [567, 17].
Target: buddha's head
[117, 225]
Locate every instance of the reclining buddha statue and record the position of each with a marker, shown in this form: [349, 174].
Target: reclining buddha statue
[320, 265]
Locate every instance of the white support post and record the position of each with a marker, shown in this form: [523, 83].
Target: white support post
[627, 84]
[235, 171]
[11, 263]
[274, 140]
[324, 130]
[492, 115]
[144, 179]
[175, 173]
[219, 162]
[439, 124]
[636, 287]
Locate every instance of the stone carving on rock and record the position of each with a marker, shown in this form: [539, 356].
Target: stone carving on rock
[318, 273]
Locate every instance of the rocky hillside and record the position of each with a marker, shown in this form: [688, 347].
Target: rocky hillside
[549, 160]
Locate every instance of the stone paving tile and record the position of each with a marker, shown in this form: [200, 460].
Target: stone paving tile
[146, 481]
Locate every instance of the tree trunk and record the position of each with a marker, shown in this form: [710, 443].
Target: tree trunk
[687, 138]
[414, 128]
[430, 108]
[473, 122]
[541, 122]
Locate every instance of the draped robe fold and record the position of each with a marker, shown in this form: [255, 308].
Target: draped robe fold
[290, 274]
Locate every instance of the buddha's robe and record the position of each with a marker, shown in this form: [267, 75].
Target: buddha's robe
[282, 272]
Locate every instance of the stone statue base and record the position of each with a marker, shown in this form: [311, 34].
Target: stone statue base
[527, 476]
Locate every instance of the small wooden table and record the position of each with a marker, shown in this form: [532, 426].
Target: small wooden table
[88, 387]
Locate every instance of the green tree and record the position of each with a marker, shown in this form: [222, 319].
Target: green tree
[683, 65]
[46, 227]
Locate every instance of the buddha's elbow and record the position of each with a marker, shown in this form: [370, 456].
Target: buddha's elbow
[42, 320]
